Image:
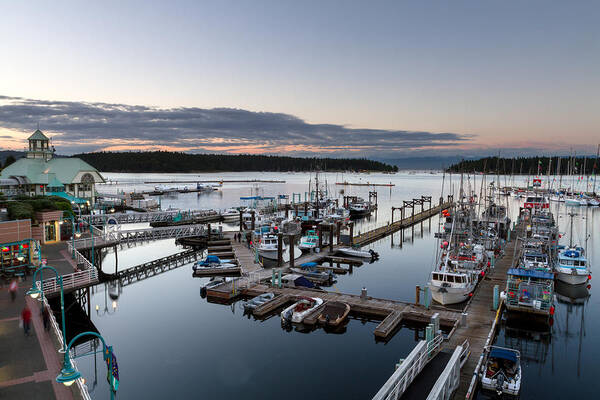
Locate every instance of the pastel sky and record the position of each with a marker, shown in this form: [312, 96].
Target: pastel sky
[361, 78]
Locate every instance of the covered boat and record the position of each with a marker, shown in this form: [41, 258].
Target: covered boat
[334, 313]
[358, 253]
[212, 261]
[502, 371]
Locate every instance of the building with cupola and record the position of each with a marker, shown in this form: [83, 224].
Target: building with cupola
[40, 172]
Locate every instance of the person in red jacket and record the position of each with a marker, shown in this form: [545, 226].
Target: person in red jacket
[26, 317]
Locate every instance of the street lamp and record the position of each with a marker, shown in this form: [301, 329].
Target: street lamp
[68, 374]
[74, 233]
[34, 292]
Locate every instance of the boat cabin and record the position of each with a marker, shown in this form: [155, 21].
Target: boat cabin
[529, 291]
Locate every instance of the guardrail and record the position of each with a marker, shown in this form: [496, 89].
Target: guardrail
[83, 389]
[449, 379]
[409, 369]
[70, 281]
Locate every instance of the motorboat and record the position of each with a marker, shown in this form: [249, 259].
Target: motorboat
[258, 301]
[359, 208]
[593, 202]
[301, 309]
[213, 283]
[572, 266]
[358, 253]
[502, 371]
[334, 313]
[267, 246]
[230, 215]
[576, 202]
[293, 280]
[211, 261]
[310, 271]
[309, 241]
[449, 287]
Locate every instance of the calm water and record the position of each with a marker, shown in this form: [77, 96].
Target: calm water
[171, 342]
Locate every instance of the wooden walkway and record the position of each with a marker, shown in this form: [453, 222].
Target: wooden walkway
[480, 318]
[383, 231]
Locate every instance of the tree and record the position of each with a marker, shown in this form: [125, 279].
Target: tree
[9, 160]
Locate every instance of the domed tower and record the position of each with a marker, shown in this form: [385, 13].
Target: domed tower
[39, 146]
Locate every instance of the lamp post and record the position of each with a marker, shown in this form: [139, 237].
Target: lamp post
[34, 292]
[106, 310]
[68, 375]
[73, 234]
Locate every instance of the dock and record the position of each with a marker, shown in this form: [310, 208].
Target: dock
[155, 267]
[383, 231]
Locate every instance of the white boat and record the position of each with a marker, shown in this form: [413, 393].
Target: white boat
[309, 241]
[593, 202]
[575, 202]
[258, 301]
[358, 253]
[230, 215]
[502, 371]
[572, 266]
[451, 287]
[299, 310]
[211, 261]
[360, 208]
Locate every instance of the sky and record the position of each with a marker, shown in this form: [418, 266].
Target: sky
[378, 79]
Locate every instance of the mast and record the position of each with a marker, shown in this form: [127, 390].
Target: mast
[571, 234]
[595, 166]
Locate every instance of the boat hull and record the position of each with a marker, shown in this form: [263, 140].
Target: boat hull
[449, 295]
[572, 279]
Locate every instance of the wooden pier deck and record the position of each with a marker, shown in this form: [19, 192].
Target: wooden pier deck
[480, 318]
[383, 231]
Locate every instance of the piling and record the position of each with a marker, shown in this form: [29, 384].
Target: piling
[496, 297]
[417, 294]
[427, 296]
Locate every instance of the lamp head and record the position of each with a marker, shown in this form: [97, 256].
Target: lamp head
[34, 292]
[68, 375]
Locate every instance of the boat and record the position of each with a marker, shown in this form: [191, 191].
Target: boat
[572, 266]
[258, 301]
[576, 202]
[230, 215]
[211, 261]
[536, 201]
[309, 271]
[214, 282]
[359, 208]
[593, 202]
[309, 241]
[449, 287]
[267, 246]
[358, 253]
[529, 291]
[334, 313]
[299, 310]
[502, 371]
[294, 280]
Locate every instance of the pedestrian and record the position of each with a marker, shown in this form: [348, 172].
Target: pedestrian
[46, 318]
[13, 290]
[26, 317]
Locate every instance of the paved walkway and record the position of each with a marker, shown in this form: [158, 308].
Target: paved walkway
[29, 364]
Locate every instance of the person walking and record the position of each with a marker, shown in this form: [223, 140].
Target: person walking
[26, 317]
[13, 290]
[46, 318]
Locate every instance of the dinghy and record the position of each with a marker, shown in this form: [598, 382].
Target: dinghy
[258, 301]
[358, 253]
[299, 310]
[502, 371]
[334, 313]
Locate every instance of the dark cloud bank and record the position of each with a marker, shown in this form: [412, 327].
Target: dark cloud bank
[82, 126]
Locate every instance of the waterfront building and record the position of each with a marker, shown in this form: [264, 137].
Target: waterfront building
[40, 172]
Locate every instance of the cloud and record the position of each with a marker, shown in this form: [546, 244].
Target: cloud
[83, 126]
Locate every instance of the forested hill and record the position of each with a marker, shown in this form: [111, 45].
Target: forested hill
[163, 161]
[529, 165]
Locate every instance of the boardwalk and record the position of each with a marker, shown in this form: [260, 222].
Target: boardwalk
[480, 317]
[383, 231]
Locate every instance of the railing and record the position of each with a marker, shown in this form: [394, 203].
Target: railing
[59, 337]
[71, 281]
[410, 368]
[449, 379]
[155, 216]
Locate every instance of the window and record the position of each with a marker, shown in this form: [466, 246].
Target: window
[450, 278]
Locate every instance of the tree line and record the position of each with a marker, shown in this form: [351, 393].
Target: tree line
[164, 161]
[530, 165]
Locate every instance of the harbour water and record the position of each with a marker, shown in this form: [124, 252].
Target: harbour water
[170, 342]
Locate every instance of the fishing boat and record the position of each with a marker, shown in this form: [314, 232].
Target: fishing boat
[536, 201]
[572, 266]
[309, 241]
[267, 246]
[359, 208]
[530, 292]
[449, 287]
[258, 301]
[299, 310]
[502, 371]
[334, 313]
[358, 253]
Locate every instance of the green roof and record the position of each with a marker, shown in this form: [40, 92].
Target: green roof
[39, 171]
[38, 135]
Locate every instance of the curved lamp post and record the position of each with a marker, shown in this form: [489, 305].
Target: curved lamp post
[68, 374]
[106, 310]
[34, 292]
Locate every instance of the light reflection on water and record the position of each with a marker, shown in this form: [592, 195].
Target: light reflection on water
[170, 342]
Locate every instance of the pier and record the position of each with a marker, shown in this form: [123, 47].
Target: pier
[405, 222]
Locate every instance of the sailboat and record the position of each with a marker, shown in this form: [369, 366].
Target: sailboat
[572, 266]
